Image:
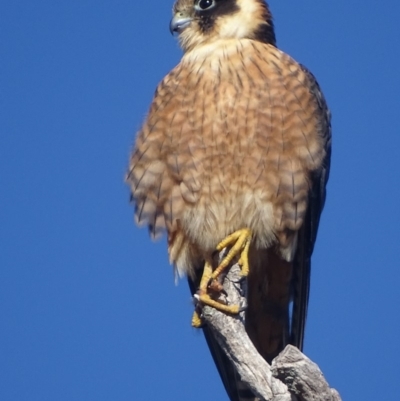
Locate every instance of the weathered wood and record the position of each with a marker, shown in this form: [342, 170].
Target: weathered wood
[231, 335]
[302, 376]
[293, 376]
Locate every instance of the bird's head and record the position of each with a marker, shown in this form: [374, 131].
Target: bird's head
[199, 22]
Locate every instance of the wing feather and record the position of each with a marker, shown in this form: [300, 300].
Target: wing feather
[308, 233]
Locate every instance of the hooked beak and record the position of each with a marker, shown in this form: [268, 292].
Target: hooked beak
[179, 23]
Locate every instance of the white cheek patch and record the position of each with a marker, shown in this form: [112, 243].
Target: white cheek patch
[242, 23]
[248, 7]
[234, 27]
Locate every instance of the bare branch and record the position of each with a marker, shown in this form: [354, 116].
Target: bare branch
[302, 376]
[293, 376]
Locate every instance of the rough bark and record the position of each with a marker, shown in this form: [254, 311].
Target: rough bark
[292, 375]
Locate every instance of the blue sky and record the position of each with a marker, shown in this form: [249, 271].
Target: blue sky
[88, 306]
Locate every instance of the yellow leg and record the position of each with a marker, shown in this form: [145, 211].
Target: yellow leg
[207, 300]
[205, 279]
[240, 243]
[196, 320]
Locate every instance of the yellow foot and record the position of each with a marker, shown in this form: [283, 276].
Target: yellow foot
[196, 320]
[205, 299]
[240, 243]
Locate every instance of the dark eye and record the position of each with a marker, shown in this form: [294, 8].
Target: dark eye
[204, 4]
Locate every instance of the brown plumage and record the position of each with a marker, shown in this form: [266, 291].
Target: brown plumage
[238, 136]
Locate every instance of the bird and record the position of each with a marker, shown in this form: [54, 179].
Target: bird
[235, 153]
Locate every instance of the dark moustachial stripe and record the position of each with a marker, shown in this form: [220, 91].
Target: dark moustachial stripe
[266, 32]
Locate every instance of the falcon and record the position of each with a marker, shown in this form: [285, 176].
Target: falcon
[235, 153]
